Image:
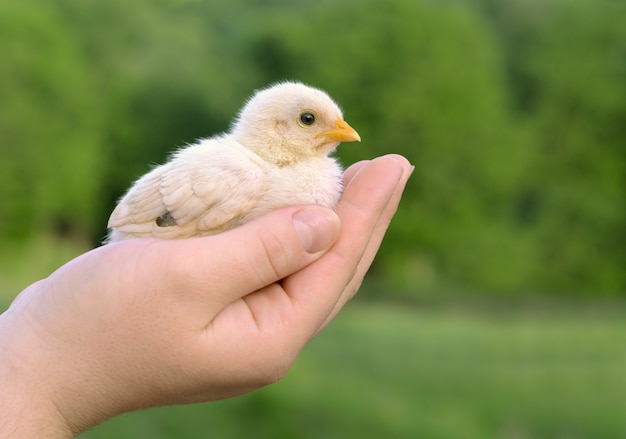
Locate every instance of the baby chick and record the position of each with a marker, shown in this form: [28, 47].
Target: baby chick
[275, 155]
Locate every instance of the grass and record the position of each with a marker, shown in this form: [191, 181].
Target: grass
[454, 370]
[385, 371]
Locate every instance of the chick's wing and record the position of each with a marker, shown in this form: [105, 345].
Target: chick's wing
[205, 186]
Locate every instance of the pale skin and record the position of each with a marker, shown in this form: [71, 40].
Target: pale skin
[146, 322]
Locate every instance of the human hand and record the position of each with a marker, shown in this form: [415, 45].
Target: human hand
[144, 322]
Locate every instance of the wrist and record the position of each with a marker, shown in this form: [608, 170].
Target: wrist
[26, 408]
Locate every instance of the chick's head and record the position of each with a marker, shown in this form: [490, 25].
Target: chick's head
[291, 121]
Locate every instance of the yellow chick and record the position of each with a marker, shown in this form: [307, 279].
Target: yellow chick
[275, 155]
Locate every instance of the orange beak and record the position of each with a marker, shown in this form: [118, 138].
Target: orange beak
[341, 133]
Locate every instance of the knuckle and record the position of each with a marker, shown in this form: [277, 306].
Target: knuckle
[275, 257]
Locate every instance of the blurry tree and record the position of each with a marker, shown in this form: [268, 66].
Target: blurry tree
[163, 69]
[514, 114]
[425, 81]
[49, 125]
[567, 78]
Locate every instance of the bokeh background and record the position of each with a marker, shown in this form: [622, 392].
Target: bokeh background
[496, 307]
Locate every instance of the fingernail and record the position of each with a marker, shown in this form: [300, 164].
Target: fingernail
[316, 227]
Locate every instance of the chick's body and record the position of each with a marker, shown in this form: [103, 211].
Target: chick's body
[276, 155]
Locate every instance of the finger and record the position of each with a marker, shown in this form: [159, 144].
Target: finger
[318, 287]
[352, 171]
[375, 240]
[249, 257]
[384, 219]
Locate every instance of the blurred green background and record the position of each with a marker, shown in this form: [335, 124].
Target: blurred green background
[496, 306]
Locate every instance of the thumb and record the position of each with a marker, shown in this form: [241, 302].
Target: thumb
[259, 253]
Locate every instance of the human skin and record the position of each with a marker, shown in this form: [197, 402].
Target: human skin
[145, 322]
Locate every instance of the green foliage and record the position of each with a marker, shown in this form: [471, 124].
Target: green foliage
[512, 112]
[396, 373]
[566, 71]
[50, 127]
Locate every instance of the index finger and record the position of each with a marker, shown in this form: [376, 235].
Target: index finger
[316, 289]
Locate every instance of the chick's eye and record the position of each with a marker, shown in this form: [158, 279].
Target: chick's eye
[307, 118]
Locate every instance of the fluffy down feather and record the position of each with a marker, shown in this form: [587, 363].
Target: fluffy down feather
[275, 155]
